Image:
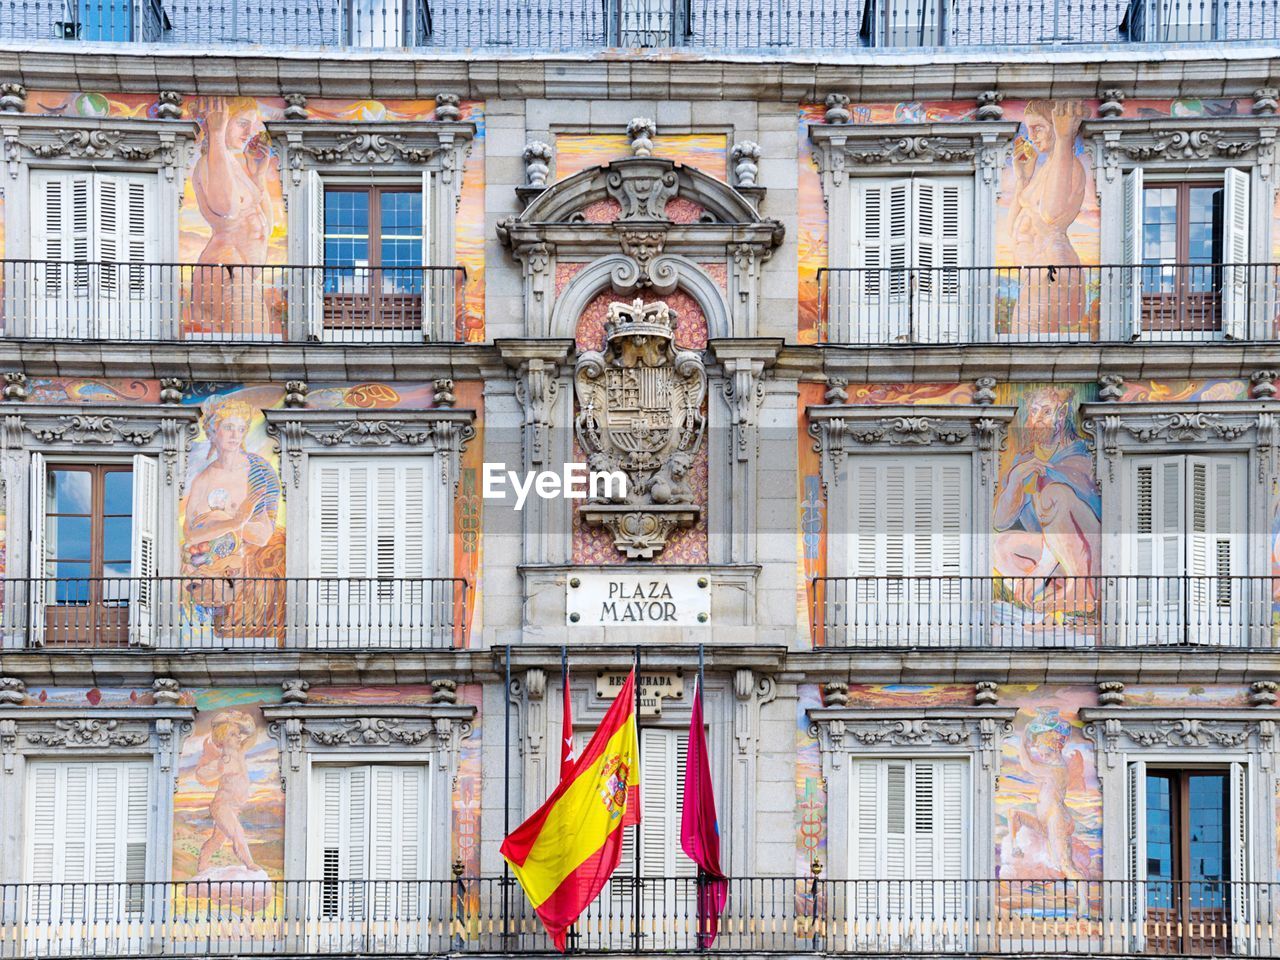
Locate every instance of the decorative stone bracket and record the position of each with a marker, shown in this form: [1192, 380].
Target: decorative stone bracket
[1197, 142]
[539, 365]
[1120, 730]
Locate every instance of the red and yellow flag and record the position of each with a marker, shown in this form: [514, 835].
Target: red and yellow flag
[565, 853]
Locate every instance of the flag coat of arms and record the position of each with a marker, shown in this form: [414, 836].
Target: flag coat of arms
[565, 853]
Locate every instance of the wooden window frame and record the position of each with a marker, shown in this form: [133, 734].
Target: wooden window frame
[1185, 309]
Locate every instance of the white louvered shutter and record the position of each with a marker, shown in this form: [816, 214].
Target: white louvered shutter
[397, 818]
[1136, 865]
[340, 859]
[437, 291]
[1235, 254]
[1213, 546]
[1131, 284]
[143, 589]
[312, 291]
[1158, 548]
[1245, 897]
[88, 822]
[38, 492]
[61, 238]
[942, 231]
[882, 249]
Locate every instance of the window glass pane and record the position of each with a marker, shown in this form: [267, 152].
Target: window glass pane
[346, 236]
[70, 491]
[1160, 838]
[117, 539]
[118, 493]
[72, 584]
[68, 538]
[1159, 225]
[1207, 821]
[1204, 220]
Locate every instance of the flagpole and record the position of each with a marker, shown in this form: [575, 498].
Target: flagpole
[506, 796]
[701, 881]
[635, 890]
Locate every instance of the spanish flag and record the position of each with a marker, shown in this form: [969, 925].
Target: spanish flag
[565, 853]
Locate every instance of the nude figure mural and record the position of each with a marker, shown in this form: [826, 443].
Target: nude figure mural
[230, 183]
[232, 551]
[1047, 515]
[1048, 193]
[222, 767]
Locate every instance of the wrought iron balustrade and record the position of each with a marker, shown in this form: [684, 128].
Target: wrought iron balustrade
[229, 303]
[747, 25]
[238, 613]
[1164, 303]
[1041, 612]
[781, 915]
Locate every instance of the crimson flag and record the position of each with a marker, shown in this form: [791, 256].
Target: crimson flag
[700, 830]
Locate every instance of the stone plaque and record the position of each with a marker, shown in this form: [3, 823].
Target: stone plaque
[654, 688]
[626, 599]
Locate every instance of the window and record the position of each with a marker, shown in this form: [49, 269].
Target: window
[377, 23]
[1192, 241]
[645, 23]
[1186, 547]
[372, 549]
[372, 245]
[370, 823]
[907, 823]
[910, 236]
[86, 825]
[1187, 836]
[903, 23]
[909, 548]
[99, 20]
[90, 233]
[93, 551]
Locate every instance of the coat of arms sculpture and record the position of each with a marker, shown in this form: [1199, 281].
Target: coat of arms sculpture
[640, 413]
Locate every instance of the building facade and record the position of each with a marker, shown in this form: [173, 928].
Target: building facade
[907, 371]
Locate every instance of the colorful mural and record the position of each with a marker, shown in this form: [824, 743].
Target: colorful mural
[229, 805]
[811, 785]
[575, 152]
[1168, 391]
[1046, 519]
[811, 526]
[1048, 799]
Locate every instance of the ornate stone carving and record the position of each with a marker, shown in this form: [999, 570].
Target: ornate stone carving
[1187, 428]
[640, 413]
[1112, 103]
[295, 393]
[295, 106]
[442, 393]
[448, 109]
[1262, 384]
[166, 691]
[1188, 145]
[444, 691]
[835, 694]
[88, 732]
[169, 105]
[89, 430]
[13, 98]
[746, 159]
[1111, 388]
[744, 392]
[368, 731]
[837, 392]
[642, 190]
[537, 390]
[357, 147]
[984, 391]
[15, 387]
[13, 692]
[294, 691]
[537, 163]
[837, 105]
[641, 131]
[291, 730]
[1111, 693]
[939, 149]
[369, 433]
[986, 693]
[903, 733]
[1265, 101]
[1187, 732]
[8, 742]
[171, 389]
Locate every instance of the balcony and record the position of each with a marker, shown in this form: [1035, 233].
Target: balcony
[577, 25]
[1155, 303]
[236, 613]
[780, 915]
[1120, 612]
[231, 303]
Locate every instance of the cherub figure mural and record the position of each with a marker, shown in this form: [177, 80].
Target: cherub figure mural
[223, 767]
[1047, 516]
[1048, 194]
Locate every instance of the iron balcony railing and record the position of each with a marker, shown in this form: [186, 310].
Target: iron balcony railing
[236, 613]
[780, 915]
[745, 25]
[229, 303]
[1038, 612]
[1116, 303]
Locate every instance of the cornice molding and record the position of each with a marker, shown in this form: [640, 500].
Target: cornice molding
[1127, 730]
[1178, 142]
[842, 731]
[164, 145]
[841, 149]
[374, 146]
